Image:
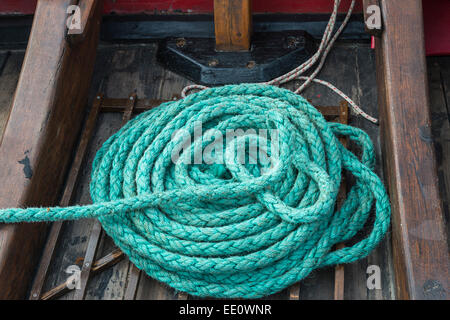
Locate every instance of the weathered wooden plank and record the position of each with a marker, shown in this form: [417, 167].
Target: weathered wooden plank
[46, 115]
[134, 275]
[232, 24]
[55, 292]
[88, 260]
[339, 272]
[382, 256]
[119, 105]
[108, 260]
[420, 249]
[150, 289]
[66, 199]
[10, 64]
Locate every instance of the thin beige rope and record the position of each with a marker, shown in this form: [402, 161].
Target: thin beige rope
[325, 46]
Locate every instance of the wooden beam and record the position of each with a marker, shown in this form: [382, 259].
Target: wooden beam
[232, 24]
[45, 118]
[339, 270]
[88, 260]
[420, 251]
[119, 105]
[134, 275]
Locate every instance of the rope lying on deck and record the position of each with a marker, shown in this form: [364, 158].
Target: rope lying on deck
[231, 230]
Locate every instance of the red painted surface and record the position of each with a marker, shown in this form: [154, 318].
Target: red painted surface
[17, 6]
[191, 6]
[436, 12]
[206, 6]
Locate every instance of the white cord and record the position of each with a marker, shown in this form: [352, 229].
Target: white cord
[322, 52]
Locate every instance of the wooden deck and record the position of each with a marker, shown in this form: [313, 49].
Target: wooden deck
[122, 69]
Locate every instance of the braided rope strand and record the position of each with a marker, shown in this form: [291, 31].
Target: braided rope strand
[231, 230]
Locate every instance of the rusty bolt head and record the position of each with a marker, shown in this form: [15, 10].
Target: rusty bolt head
[180, 42]
[251, 64]
[292, 42]
[213, 63]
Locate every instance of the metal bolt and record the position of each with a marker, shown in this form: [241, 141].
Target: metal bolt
[131, 98]
[87, 264]
[213, 62]
[292, 42]
[34, 295]
[98, 97]
[251, 64]
[180, 42]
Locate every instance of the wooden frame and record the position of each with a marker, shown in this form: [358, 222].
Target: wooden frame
[420, 250]
[46, 114]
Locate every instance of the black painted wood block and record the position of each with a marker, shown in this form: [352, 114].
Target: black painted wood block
[271, 55]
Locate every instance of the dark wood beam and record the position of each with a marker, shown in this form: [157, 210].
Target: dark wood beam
[43, 126]
[420, 250]
[232, 24]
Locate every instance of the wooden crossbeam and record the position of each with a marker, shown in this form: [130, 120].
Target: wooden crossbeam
[339, 270]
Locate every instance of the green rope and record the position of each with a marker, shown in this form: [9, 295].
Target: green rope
[231, 230]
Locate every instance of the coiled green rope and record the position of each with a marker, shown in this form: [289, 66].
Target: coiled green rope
[231, 230]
